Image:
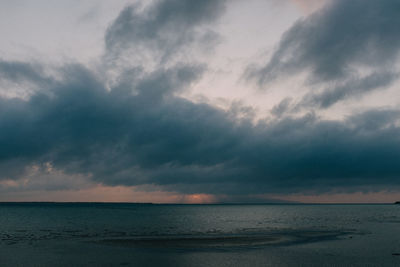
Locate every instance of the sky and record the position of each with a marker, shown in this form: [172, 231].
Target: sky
[181, 101]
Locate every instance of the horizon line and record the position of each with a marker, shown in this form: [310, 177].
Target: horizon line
[212, 203]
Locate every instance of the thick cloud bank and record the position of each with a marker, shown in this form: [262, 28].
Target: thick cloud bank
[120, 138]
[138, 131]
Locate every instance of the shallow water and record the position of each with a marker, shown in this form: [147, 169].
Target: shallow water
[49, 234]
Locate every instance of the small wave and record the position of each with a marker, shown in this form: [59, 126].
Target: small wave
[224, 241]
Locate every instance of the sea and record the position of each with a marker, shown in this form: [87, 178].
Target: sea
[126, 234]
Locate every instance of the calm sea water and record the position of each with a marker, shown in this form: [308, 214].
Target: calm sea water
[46, 234]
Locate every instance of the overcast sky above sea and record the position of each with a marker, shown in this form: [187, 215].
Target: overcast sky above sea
[200, 101]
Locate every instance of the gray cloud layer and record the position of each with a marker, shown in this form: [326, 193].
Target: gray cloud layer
[337, 44]
[165, 27]
[140, 132]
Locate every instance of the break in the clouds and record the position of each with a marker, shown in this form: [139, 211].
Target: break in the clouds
[348, 48]
[135, 128]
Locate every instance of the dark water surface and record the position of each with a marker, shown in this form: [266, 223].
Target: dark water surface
[98, 234]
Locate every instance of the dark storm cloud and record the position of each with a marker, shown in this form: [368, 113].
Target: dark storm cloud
[123, 138]
[140, 132]
[338, 43]
[164, 27]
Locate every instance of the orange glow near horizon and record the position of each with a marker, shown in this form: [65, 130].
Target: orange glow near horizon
[198, 199]
[103, 193]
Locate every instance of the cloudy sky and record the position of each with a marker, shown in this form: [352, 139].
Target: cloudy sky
[200, 101]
